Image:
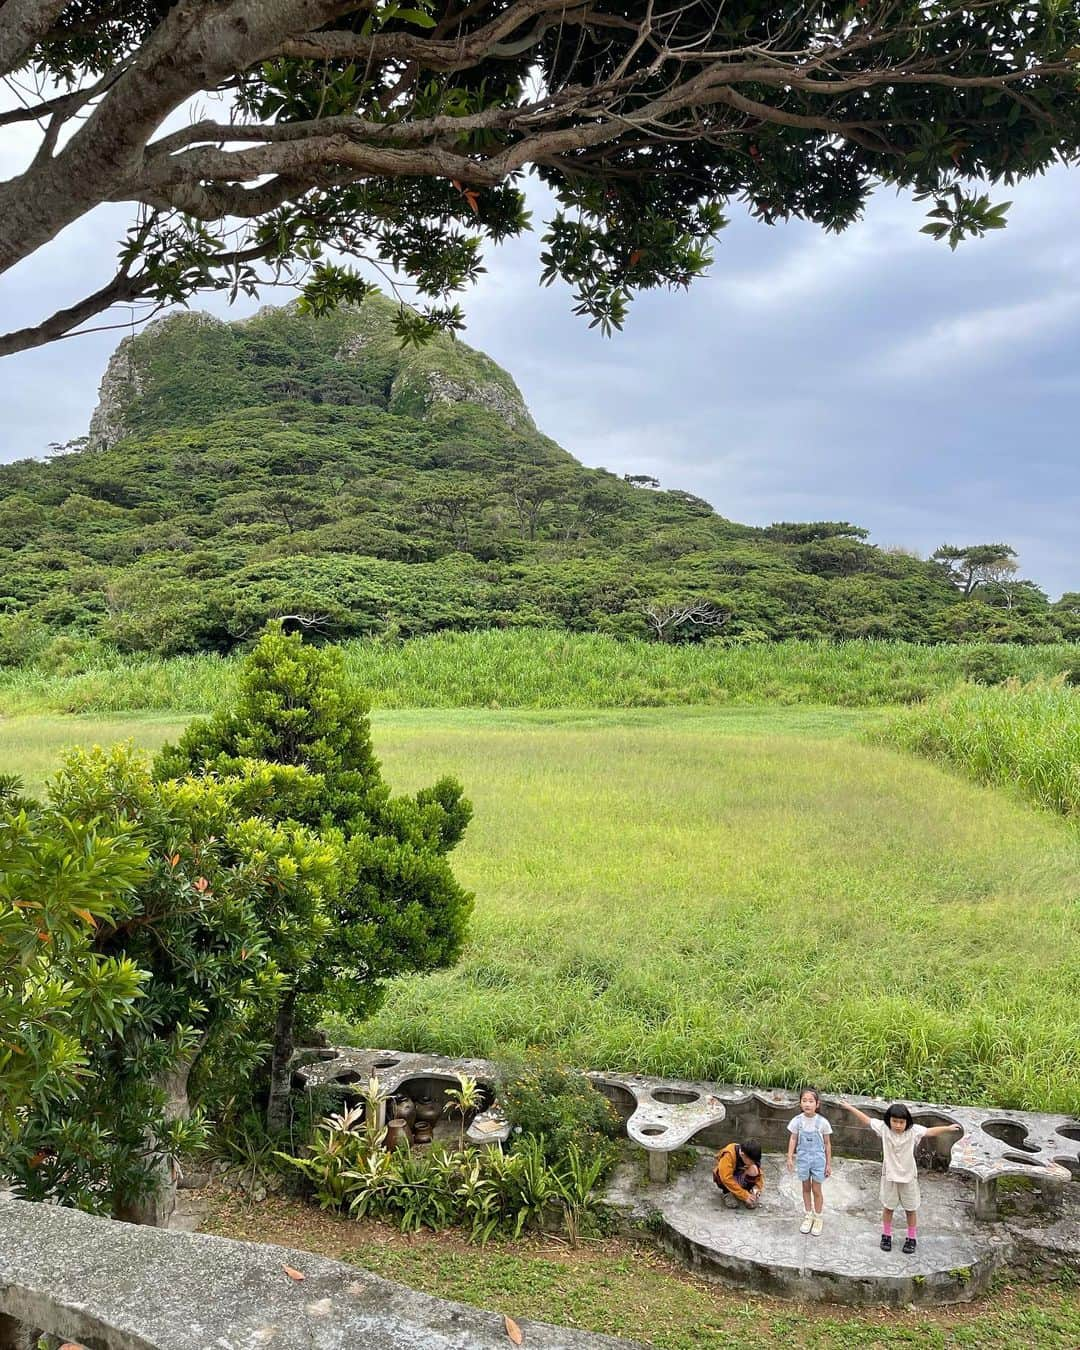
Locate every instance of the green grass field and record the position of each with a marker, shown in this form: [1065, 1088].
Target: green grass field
[744, 894]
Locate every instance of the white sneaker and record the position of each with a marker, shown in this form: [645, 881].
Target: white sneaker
[806, 1224]
[815, 1226]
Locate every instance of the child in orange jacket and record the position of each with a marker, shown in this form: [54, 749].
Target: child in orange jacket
[738, 1172]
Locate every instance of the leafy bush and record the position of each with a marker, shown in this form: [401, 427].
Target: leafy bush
[548, 1101]
[987, 665]
[483, 1190]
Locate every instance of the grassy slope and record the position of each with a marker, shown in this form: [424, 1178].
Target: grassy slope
[718, 893]
[756, 907]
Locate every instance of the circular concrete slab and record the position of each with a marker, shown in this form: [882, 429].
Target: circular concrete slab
[764, 1249]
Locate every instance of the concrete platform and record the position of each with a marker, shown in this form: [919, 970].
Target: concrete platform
[1000, 1192]
[763, 1248]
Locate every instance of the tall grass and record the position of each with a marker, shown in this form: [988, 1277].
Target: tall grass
[754, 908]
[1021, 736]
[539, 668]
[728, 893]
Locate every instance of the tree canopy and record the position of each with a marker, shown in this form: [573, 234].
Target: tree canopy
[401, 134]
[162, 928]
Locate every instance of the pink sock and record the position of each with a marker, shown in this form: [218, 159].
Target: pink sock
[911, 1230]
[886, 1229]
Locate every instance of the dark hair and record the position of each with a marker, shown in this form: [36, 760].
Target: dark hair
[813, 1093]
[898, 1111]
[752, 1150]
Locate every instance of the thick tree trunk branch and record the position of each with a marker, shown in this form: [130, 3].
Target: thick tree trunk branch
[194, 48]
[277, 1106]
[23, 23]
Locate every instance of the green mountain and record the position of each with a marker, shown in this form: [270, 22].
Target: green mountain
[314, 469]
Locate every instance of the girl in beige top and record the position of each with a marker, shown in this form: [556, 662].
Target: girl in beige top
[899, 1175]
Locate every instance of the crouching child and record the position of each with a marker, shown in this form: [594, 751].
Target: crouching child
[738, 1173]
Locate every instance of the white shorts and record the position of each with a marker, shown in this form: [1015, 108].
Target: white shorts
[900, 1194]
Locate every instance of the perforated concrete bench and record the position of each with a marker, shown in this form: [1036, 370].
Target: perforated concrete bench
[667, 1114]
[663, 1115]
[660, 1115]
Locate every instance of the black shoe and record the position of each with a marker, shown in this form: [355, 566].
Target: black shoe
[909, 1246]
[886, 1242]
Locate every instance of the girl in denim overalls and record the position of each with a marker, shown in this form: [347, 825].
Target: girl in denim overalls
[810, 1153]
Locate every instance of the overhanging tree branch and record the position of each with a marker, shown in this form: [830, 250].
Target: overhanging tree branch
[402, 134]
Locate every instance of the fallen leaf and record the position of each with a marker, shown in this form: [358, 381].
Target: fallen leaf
[513, 1330]
[201, 884]
[473, 198]
[174, 859]
[294, 1274]
[87, 916]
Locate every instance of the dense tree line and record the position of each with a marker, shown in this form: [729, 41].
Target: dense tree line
[305, 470]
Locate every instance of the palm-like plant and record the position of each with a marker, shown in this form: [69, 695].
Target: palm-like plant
[463, 1100]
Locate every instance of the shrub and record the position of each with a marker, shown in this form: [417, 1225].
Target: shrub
[546, 1100]
[484, 1190]
[986, 665]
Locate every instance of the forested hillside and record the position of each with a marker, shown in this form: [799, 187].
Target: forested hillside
[314, 469]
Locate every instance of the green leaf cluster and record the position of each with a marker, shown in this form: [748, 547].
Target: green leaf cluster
[484, 1191]
[161, 926]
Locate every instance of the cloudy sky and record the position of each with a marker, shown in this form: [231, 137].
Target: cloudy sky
[873, 377]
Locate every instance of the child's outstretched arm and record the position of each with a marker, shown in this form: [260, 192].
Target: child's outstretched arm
[828, 1155]
[859, 1115]
[942, 1129]
[791, 1153]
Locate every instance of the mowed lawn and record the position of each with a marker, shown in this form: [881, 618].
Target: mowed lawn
[748, 895]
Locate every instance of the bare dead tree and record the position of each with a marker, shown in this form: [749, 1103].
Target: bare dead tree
[667, 620]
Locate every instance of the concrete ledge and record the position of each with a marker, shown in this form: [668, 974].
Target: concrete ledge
[1041, 1149]
[114, 1286]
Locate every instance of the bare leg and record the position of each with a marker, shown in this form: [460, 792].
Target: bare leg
[819, 1198]
[807, 1204]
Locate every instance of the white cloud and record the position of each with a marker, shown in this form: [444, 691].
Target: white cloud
[979, 338]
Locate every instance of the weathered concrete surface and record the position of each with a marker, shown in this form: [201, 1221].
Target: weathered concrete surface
[661, 1115]
[667, 1113]
[113, 1286]
[964, 1237]
[1038, 1148]
[764, 1249]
